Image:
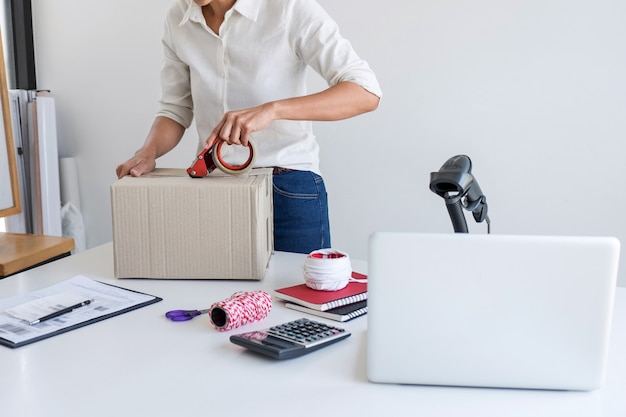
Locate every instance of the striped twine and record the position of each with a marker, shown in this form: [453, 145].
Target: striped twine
[241, 308]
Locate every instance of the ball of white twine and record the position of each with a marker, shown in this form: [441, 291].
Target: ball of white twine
[327, 270]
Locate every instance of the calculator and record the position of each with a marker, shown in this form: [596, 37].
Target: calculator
[292, 339]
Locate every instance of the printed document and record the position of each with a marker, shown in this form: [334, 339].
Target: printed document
[16, 313]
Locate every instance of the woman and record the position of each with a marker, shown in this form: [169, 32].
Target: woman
[239, 67]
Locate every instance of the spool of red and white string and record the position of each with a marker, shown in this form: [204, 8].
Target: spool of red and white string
[241, 308]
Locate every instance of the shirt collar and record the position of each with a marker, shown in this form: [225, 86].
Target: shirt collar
[247, 8]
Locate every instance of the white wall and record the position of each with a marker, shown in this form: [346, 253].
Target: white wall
[532, 90]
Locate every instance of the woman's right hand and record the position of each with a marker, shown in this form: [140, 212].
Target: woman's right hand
[164, 135]
[136, 166]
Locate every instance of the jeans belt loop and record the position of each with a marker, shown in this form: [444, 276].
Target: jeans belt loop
[280, 170]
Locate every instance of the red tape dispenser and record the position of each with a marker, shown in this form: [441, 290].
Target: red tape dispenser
[209, 159]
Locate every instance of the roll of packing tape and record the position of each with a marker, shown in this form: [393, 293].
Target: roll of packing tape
[230, 168]
[208, 160]
[241, 308]
[327, 270]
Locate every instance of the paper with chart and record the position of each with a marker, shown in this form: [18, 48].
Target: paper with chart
[17, 312]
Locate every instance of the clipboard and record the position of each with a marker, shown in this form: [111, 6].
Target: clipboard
[109, 301]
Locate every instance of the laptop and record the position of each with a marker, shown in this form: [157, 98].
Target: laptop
[501, 311]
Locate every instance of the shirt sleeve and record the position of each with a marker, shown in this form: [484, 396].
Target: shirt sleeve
[176, 101]
[318, 42]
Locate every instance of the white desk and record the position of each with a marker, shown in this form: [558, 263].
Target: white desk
[141, 364]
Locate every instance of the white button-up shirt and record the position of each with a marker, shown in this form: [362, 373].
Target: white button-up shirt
[261, 54]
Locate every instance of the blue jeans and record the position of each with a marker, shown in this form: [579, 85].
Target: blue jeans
[300, 212]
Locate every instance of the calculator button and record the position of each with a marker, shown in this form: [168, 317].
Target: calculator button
[305, 332]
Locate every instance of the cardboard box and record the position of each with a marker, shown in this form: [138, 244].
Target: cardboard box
[168, 225]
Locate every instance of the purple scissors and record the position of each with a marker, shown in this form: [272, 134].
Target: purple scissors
[184, 315]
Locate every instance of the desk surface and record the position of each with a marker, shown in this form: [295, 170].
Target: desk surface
[20, 251]
[141, 364]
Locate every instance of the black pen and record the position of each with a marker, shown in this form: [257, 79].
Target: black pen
[60, 312]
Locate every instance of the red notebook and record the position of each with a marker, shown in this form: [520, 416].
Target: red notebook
[325, 300]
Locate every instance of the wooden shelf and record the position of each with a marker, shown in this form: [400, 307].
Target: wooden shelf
[19, 252]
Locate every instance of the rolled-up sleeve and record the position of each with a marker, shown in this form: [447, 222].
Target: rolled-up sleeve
[176, 102]
[317, 40]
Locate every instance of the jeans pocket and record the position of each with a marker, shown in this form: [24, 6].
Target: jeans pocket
[299, 184]
[300, 212]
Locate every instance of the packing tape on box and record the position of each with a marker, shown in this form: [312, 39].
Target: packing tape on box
[327, 270]
[241, 308]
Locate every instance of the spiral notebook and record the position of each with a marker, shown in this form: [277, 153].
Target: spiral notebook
[324, 300]
[342, 314]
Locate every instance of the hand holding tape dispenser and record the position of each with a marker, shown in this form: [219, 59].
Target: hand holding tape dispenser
[211, 158]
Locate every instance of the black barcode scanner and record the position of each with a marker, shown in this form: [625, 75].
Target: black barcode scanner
[458, 187]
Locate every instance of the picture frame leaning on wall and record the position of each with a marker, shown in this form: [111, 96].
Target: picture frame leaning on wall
[10, 202]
